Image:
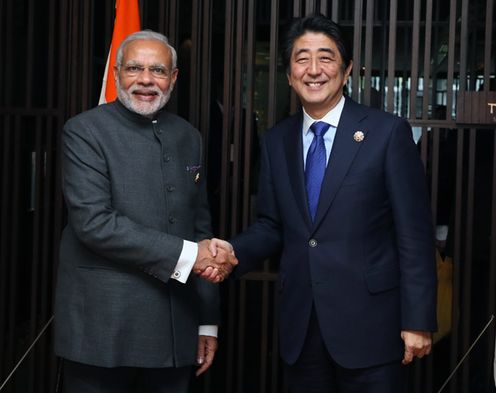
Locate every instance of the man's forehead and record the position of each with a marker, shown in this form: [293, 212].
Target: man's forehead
[147, 48]
[310, 38]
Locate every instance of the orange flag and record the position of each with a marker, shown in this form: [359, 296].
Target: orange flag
[127, 21]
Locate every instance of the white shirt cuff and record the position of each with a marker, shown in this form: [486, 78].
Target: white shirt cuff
[208, 330]
[186, 261]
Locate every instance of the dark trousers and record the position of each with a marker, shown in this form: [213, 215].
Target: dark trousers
[316, 372]
[83, 378]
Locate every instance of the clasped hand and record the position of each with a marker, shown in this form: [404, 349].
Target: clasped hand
[215, 260]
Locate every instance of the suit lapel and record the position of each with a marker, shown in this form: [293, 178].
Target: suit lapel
[294, 160]
[343, 152]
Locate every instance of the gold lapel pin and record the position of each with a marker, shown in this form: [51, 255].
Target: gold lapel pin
[197, 178]
[358, 136]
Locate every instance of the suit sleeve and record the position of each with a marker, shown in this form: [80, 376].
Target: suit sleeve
[100, 227]
[407, 189]
[263, 238]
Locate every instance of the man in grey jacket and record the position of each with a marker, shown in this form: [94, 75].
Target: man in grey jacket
[129, 316]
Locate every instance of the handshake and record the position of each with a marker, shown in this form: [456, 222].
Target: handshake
[215, 260]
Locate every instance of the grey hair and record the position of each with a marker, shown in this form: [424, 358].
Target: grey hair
[146, 35]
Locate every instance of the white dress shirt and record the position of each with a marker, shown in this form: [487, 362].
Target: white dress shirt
[332, 117]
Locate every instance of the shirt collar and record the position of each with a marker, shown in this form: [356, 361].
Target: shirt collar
[332, 117]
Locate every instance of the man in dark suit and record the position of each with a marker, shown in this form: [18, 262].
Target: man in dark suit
[343, 196]
[129, 316]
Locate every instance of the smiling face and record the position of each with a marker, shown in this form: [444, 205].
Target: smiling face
[145, 77]
[316, 73]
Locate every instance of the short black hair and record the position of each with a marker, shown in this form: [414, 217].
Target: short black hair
[317, 23]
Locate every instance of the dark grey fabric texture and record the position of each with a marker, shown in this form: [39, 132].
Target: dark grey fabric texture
[134, 189]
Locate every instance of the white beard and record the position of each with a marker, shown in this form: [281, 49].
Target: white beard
[143, 108]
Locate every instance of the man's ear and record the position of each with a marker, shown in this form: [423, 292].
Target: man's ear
[347, 72]
[116, 73]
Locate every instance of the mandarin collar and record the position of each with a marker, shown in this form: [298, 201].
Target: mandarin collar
[133, 116]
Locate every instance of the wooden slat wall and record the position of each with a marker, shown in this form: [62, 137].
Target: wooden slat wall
[62, 57]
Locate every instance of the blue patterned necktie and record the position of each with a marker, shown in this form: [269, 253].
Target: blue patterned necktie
[315, 165]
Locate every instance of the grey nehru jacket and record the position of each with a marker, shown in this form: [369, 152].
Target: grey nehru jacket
[134, 190]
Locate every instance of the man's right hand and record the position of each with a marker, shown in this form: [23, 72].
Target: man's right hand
[214, 267]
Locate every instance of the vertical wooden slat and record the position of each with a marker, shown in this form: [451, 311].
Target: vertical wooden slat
[248, 126]
[171, 30]
[335, 11]
[297, 4]
[241, 334]
[58, 213]
[13, 291]
[293, 99]
[357, 49]
[435, 172]
[30, 52]
[272, 94]
[205, 70]
[194, 97]
[3, 45]
[467, 263]
[310, 7]
[369, 33]
[46, 263]
[225, 173]
[264, 339]
[488, 44]
[323, 7]
[492, 265]
[459, 330]
[463, 46]
[8, 48]
[5, 238]
[457, 273]
[451, 59]
[271, 118]
[227, 116]
[86, 61]
[414, 61]
[35, 251]
[238, 111]
[427, 60]
[275, 339]
[391, 55]
[162, 22]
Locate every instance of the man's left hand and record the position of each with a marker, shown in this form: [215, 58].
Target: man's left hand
[417, 344]
[207, 345]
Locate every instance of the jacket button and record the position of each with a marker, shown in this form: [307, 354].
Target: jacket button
[312, 243]
[172, 220]
[166, 158]
[171, 188]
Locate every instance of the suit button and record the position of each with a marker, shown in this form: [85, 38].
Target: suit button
[166, 158]
[171, 188]
[172, 220]
[312, 243]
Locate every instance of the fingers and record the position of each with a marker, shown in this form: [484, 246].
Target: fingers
[207, 346]
[218, 244]
[408, 356]
[215, 260]
[210, 273]
[417, 344]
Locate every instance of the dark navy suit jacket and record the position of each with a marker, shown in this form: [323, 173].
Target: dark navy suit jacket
[367, 261]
